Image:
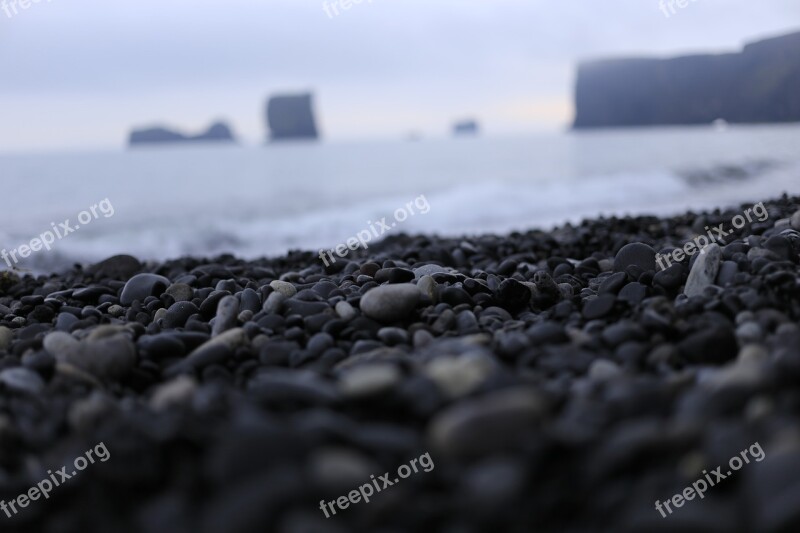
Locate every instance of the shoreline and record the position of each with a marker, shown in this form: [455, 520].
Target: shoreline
[557, 379]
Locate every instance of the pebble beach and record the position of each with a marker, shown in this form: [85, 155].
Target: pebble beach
[559, 381]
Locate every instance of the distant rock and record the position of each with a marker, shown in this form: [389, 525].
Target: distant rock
[291, 117]
[759, 84]
[217, 132]
[466, 128]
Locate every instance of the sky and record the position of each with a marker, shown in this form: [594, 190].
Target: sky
[79, 74]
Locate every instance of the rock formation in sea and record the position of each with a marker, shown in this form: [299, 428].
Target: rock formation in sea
[217, 132]
[759, 84]
[291, 117]
[466, 128]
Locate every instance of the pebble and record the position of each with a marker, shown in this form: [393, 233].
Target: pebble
[178, 391]
[635, 254]
[140, 286]
[5, 338]
[482, 425]
[284, 287]
[796, 221]
[369, 380]
[22, 380]
[704, 271]
[390, 303]
[345, 311]
[180, 292]
[459, 376]
[227, 313]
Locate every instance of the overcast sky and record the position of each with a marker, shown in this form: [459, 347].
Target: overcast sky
[80, 73]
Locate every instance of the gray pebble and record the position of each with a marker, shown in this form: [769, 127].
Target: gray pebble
[345, 311]
[284, 287]
[5, 338]
[227, 312]
[21, 379]
[704, 271]
[180, 292]
[390, 303]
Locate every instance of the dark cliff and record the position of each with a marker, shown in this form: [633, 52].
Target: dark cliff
[291, 117]
[759, 84]
[218, 131]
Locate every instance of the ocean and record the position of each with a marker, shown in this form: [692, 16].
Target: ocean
[255, 201]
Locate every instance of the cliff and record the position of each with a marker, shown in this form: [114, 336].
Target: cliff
[291, 117]
[759, 84]
[217, 132]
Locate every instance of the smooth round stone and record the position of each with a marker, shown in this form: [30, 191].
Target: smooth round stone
[390, 303]
[479, 426]
[116, 311]
[749, 332]
[85, 414]
[227, 312]
[606, 265]
[274, 302]
[633, 293]
[454, 296]
[599, 307]
[340, 468]
[21, 379]
[727, 273]
[284, 287]
[120, 267]
[795, 222]
[175, 392]
[6, 335]
[393, 336]
[345, 311]
[64, 321]
[369, 380]
[422, 338]
[429, 270]
[427, 286]
[108, 357]
[178, 313]
[752, 354]
[394, 275]
[513, 295]
[180, 292]
[603, 369]
[613, 283]
[160, 315]
[250, 301]
[635, 254]
[319, 343]
[60, 344]
[704, 271]
[670, 278]
[214, 351]
[140, 286]
[458, 376]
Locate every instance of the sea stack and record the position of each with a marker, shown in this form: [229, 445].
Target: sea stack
[217, 132]
[291, 117]
[466, 128]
